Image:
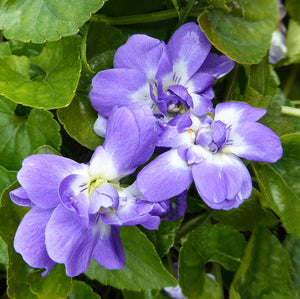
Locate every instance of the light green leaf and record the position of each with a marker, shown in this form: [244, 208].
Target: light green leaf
[46, 149]
[78, 120]
[38, 21]
[264, 270]
[10, 217]
[244, 33]
[163, 238]
[21, 136]
[55, 285]
[219, 244]
[246, 216]
[45, 81]
[293, 42]
[292, 245]
[143, 269]
[81, 290]
[280, 184]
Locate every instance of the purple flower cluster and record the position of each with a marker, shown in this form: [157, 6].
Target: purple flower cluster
[157, 95]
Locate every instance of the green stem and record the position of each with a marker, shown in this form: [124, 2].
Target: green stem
[184, 14]
[218, 275]
[295, 102]
[188, 226]
[290, 111]
[151, 17]
[136, 19]
[290, 81]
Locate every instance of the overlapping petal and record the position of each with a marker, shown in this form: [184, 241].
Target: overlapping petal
[30, 238]
[167, 176]
[69, 241]
[119, 87]
[41, 175]
[188, 48]
[108, 251]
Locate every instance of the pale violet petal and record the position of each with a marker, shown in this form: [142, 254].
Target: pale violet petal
[165, 177]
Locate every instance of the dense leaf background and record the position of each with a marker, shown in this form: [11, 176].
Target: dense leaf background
[49, 53]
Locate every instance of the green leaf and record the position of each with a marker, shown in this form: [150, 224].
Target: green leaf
[21, 135]
[149, 294]
[293, 7]
[163, 238]
[244, 33]
[219, 244]
[293, 42]
[55, 285]
[45, 81]
[3, 254]
[143, 269]
[78, 120]
[6, 178]
[264, 270]
[280, 184]
[292, 245]
[39, 21]
[81, 290]
[246, 216]
[10, 217]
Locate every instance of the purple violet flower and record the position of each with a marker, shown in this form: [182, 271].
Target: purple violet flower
[207, 150]
[170, 78]
[77, 209]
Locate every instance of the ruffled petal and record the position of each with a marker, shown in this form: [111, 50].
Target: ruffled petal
[109, 251]
[105, 196]
[255, 142]
[119, 87]
[216, 65]
[141, 52]
[223, 181]
[130, 141]
[234, 113]
[165, 177]
[74, 195]
[41, 175]
[68, 241]
[20, 197]
[188, 48]
[199, 82]
[30, 239]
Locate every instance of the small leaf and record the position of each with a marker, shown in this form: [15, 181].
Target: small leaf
[218, 243]
[280, 183]
[163, 238]
[293, 42]
[21, 135]
[143, 269]
[264, 270]
[244, 33]
[81, 290]
[6, 178]
[51, 20]
[78, 120]
[45, 81]
[55, 285]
